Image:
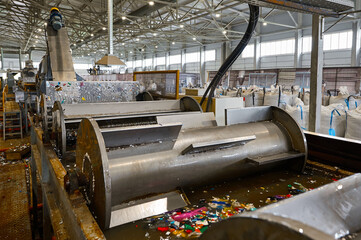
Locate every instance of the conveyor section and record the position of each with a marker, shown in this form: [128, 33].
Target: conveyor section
[61, 61]
[121, 164]
[329, 212]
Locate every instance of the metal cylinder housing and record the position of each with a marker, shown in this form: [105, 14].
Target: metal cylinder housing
[67, 117]
[126, 163]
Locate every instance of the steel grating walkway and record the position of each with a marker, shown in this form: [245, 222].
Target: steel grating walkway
[14, 205]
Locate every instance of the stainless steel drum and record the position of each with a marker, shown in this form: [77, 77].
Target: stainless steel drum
[66, 117]
[127, 163]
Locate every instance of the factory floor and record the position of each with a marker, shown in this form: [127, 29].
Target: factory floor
[257, 190]
[14, 193]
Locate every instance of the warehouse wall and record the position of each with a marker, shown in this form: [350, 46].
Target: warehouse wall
[270, 33]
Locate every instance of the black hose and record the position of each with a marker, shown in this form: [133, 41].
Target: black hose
[253, 19]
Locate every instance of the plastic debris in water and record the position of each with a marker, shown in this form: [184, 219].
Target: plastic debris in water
[192, 222]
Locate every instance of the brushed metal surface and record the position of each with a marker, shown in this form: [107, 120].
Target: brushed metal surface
[147, 172]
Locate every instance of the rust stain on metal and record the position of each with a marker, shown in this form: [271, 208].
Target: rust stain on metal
[14, 206]
[85, 219]
[59, 170]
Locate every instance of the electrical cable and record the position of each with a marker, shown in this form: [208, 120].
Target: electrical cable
[253, 19]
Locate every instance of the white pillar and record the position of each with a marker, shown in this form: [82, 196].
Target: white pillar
[316, 74]
[110, 26]
[183, 61]
[202, 65]
[257, 53]
[356, 44]
[298, 49]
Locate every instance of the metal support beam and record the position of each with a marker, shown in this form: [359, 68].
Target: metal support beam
[202, 65]
[183, 61]
[225, 51]
[298, 42]
[110, 26]
[257, 52]
[298, 49]
[166, 56]
[153, 62]
[2, 58]
[356, 44]
[316, 73]
[20, 59]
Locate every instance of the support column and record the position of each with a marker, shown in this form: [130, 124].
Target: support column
[20, 59]
[257, 53]
[110, 26]
[298, 49]
[356, 44]
[225, 51]
[183, 61]
[356, 39]
[166, 56]
[316, 74]
[202, 65]
[298, 42]
[153, 62]
[2, 58]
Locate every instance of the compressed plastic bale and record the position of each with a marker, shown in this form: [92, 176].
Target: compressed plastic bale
[353, 130]
[258, 98]
[300, 114]
[333, 117]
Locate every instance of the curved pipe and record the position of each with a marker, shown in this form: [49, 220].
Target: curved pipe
[253, 19]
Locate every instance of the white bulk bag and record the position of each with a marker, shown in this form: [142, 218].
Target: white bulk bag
[353, 130]
[342, 99]
[353, 102]
[299, 114]
[334, 117]
[286, 98]
[248, 98]
[258, 98]
[306, 98]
